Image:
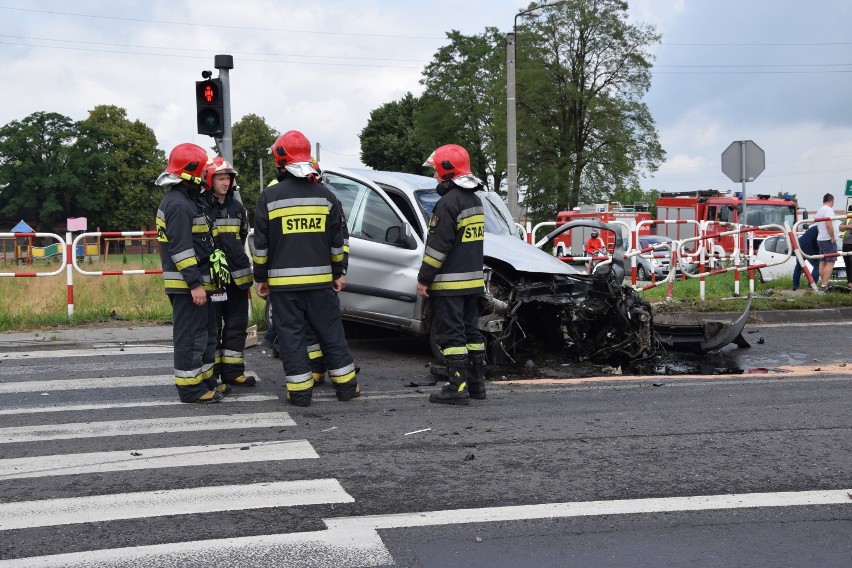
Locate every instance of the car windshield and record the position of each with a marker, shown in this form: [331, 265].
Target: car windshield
[495, 221]
[758, 214]
[645, 242]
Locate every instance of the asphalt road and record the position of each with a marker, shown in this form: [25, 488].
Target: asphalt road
[744, 460]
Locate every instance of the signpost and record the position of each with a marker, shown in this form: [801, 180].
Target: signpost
[849, 187]
[743, 161]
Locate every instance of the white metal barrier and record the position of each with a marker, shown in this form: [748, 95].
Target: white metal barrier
[704, 251]
[128, 234]
[63, 259]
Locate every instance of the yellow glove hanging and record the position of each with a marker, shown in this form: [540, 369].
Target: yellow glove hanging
[219, 273]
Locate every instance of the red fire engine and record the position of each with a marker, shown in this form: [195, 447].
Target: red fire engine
[722, 209]
[605, 213]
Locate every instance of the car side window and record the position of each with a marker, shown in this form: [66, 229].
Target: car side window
[772, 244]
[377, 219]
[368, 215]
[348, 192]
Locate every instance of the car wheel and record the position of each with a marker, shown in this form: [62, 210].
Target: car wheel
[641, 273]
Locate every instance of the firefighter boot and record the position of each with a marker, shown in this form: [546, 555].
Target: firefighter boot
[476, 378]
[350, 389]
[300, 397]
[455, 391]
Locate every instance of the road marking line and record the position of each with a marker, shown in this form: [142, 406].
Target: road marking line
[595, 508]
[780, 371]
[354, 541]
[155, 458]
[144, 426]
[58, 353]
[230, 399]
[146, 504]
[96, 383]
[319, 549]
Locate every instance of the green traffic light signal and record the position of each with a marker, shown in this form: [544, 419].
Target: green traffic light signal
[210, 107]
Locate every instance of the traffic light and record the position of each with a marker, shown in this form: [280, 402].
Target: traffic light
[210, 107]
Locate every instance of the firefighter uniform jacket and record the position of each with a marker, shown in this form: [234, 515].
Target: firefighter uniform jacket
[232, 231]
[299, 236]
[452, 262]
[186, 242]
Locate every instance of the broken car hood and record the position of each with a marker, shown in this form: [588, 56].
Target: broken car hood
[524, 257]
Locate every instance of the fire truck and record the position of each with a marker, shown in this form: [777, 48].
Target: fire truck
[722, 210]
[630, 215]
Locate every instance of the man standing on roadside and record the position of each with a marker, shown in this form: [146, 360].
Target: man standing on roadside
[826, 239]
[808, 245]
[300, 262]
[186, 243]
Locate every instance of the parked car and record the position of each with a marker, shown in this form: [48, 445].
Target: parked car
[772, 252]
[528, 294]
[658, 262]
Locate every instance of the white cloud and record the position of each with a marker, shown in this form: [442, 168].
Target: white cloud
[322, 67]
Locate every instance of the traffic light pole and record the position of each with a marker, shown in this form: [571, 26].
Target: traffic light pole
[225, 146]
[224, 63]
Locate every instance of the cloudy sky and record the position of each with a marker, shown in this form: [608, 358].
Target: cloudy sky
[773, 71]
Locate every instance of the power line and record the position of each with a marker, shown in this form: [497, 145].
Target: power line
[185, 24]
[206, 51]
[207, 57]
[758, 44]
[759, 66]
[325, 149]
[803, 72]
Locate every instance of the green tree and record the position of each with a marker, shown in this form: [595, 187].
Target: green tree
[252, 138]
[117, 161]
[35, 172]
[584, 132]
[635, 195]
[465, 102]
[389, 141]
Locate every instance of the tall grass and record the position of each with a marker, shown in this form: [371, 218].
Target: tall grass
[719, 295]
[40, 302]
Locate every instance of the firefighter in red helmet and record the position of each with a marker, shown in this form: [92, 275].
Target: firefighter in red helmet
[451, 274]
[300, 262]
[232, 227]
[185, 235]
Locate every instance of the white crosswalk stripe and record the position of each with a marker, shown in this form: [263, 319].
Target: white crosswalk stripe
[104, 352]
[99, 508]
[149, 458]
[143, 426]
[99, 383]
[135, 404]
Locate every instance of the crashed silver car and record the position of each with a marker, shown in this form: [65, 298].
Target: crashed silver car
[529, 294]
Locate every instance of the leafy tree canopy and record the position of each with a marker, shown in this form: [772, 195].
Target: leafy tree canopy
[117, 161]
[389, 141]
[252, 138]
[581, 78]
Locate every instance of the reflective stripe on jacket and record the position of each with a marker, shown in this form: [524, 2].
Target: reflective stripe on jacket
[185, 242]
[452, 261]
[232, 231]
[299, 236]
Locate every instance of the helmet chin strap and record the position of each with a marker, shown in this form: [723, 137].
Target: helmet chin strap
[188, 177]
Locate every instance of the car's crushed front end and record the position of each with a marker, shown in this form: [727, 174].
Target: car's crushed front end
[536, 296]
